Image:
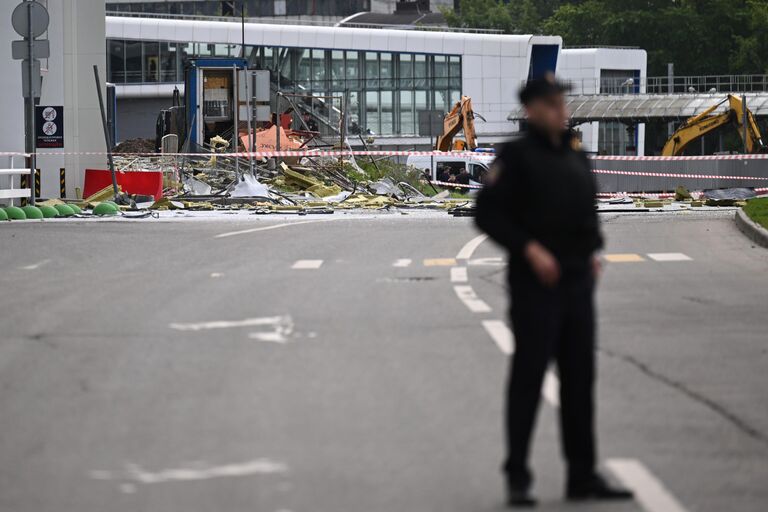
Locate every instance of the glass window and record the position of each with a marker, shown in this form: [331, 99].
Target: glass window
[387, 113]
[405, 70]
[304, 67]
[386, 70]
[116, 52]
[455, 97]
[372, 111]
[441, 101]
[353, 112]
[318, 70]
[441, 71]
[371, 69]
[420, 71]
[455, 71]
[133, 61]
[168, 64]
[337, 69]
[407, 117]
[353, 70]
[151, 61]
[267, 58]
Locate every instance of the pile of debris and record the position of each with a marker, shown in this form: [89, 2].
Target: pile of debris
[303, 184]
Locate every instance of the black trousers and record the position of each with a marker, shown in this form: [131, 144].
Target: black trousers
[552, 324]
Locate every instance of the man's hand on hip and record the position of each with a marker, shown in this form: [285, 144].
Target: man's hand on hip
[543, 263]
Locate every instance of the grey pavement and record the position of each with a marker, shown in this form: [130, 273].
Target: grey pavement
[153, 365]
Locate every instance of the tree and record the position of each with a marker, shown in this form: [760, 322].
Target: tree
[700, 36]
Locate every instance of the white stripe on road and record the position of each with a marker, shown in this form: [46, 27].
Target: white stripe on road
[469, 248]
[35, 266]
[225, 324]
[459, 274]
[669, 256]
[500, 333]
[307, 264]
[468, 296]
[649, 491]
[402, 262]
[267, 228]
[502, 336]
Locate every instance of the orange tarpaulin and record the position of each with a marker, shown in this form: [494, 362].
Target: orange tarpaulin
[266, 140]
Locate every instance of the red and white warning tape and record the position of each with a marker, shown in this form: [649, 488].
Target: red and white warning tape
[678, 175]
[343, 153]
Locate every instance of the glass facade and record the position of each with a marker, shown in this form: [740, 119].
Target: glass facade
[613, 137]
[385, 91]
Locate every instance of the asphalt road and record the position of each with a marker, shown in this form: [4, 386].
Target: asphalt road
[344, 363]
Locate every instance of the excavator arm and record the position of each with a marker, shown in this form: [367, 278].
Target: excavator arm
[461, 117]
[705, 122]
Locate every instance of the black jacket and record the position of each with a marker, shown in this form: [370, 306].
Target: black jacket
[542, 192]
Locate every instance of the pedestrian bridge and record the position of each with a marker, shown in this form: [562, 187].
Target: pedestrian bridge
[639, 108]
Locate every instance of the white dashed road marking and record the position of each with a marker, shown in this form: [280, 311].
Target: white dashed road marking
[669, 256]
[459, 275]
[402, 262]
[468, 296]
[307, 264]
[649, 491]
[468, 250]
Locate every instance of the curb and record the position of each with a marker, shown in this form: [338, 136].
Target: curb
[752, 229]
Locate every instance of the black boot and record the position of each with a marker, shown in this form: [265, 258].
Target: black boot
[519, 496]
[595, 488]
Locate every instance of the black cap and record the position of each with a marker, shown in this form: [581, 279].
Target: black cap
[542, 87]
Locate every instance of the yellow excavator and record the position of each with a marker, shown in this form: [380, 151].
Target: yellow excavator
[699, 125]
[461, 117]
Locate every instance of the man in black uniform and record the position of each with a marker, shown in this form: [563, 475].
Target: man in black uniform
[540, 205]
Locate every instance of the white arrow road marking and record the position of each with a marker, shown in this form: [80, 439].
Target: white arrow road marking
[226, 324]
[649, 491]
[135, 474]
[402, 262]
[502, 336]
[282, 327]
[459, 274]
[468, 250]
[467, 295]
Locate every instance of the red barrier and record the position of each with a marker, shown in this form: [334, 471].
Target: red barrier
[148, 183]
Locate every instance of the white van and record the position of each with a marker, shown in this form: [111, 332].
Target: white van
[476, 164]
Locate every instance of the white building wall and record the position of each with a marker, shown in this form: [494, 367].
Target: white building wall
[76, 33]
[493, 66]
[582, 66]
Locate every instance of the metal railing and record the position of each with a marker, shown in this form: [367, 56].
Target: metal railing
[705, 84]
[10, 192]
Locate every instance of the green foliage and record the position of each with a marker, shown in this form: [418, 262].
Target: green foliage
[757, 210]
[699, 36]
